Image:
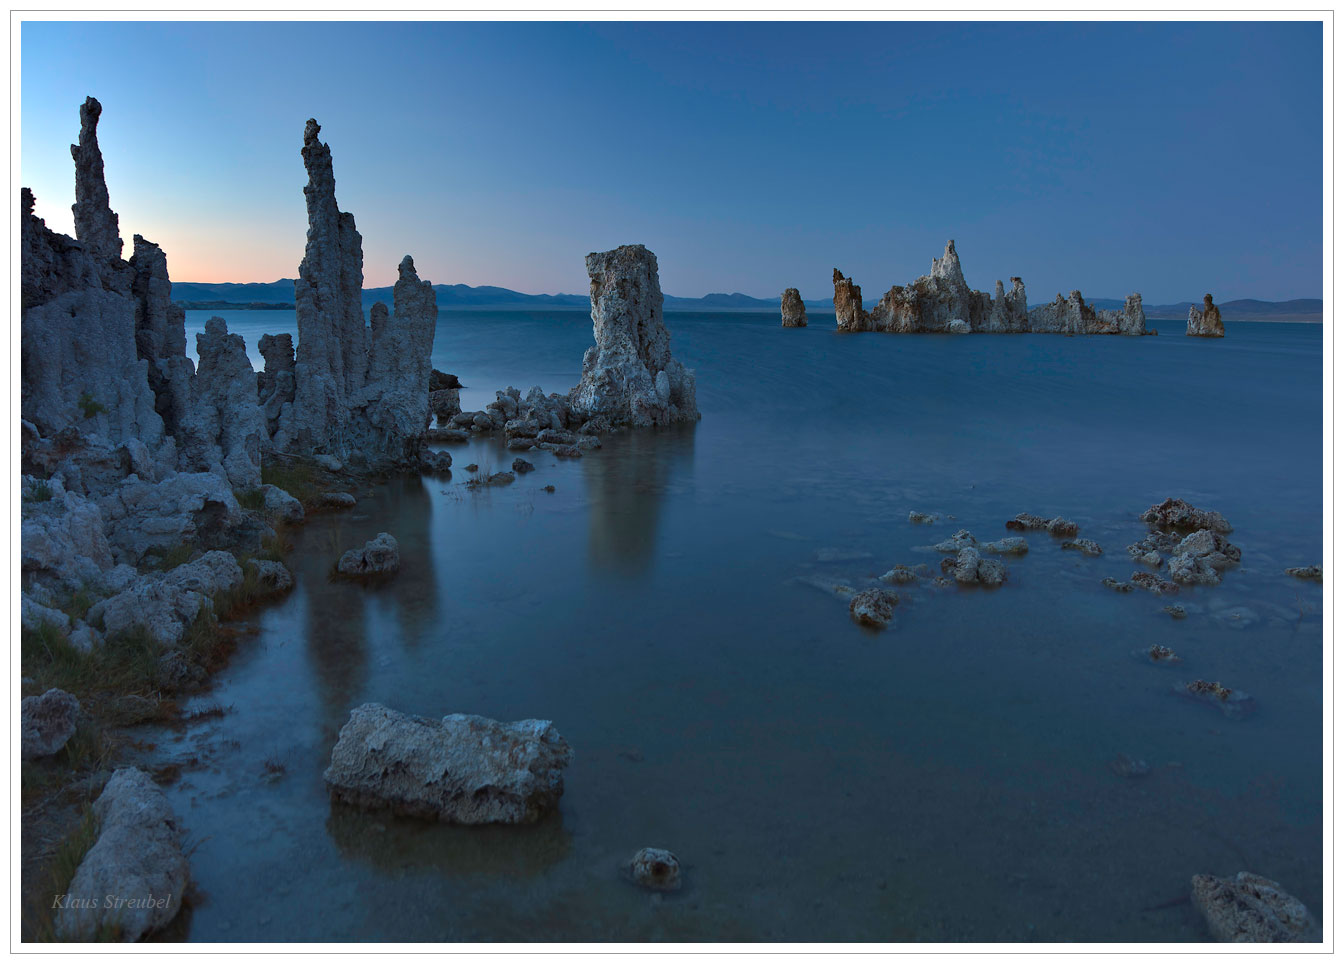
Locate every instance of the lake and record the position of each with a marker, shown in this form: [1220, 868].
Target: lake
[948, 779]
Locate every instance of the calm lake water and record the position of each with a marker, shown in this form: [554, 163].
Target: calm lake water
[948, 779]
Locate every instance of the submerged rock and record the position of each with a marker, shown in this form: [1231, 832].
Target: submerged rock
[958, 541]
[1058, 526]
[436, 462]
[379, 556]
[1174, 611]
[791, 309]
[629, 375]
[1124, 765]
[522, 466]
[970, 568]
[922, 518]
[1200, 557]
[1249, 908]
[899, 575]
[133, 878]
[1305, 572]
[1112, 583]
[463, 769]
[47, 722]
[1161, 655]
[873, 607]
[1153, 583]
[1086, 546]
[1206, 322]
[1007, 546]
[656, 869]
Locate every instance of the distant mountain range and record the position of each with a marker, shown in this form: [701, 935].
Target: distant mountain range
[280, 294]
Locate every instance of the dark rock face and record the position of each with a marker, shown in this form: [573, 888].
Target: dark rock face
[791, 309]
[95, 222]
[275, 384]
[1206, 322]
[160, 334]
[848, 301]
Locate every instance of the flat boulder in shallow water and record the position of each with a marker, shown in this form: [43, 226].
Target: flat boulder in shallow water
[1250, 909]
[461, 769]
[379, 556]
[1305, 572]
[137, 861]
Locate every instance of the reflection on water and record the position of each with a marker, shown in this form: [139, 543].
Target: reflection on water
[948, 779]
[626, 489]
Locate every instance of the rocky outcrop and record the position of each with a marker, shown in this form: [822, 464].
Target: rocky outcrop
[848, 301]
[380, 556]
[47, 722]
[1249, 908]
[1206, 322]
[164, 604]
[942, 301]
[64, 543]
[1200, 558]
[132, 880]
[791, 309]
[629, 375]
[359, 390]
[160, 334]
[81, 368]
[462, 769]
[1181, 515]
[225, 425]
[95, 222]
[189, 507]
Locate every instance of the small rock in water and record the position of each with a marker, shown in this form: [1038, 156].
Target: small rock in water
[338, 500]
[500, 478]
[1127, 766]
[472, 467]
[1234, 704]
[522, 465]
[1086, 546]
[435, 462]
[923, 518]
[1177, 612]
[548, 488]
[1160, 654]
[900, 574]
[960, 540]
[1179, 514]
[656, 869]
[873, 607]
[1305, 572]
[273, 575]
[1117, 585]
[380, 555]
[1249, 908]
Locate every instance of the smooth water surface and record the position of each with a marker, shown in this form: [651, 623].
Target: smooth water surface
[945, 780]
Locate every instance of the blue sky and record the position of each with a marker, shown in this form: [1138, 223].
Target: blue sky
[1166, 158]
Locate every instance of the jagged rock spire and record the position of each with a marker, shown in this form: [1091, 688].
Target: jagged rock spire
[95, 221]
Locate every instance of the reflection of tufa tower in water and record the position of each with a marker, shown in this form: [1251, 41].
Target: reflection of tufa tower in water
[626, 488]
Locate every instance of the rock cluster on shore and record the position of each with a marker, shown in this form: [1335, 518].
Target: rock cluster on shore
[942, 301]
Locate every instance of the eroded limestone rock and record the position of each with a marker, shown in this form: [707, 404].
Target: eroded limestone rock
[379, 556]
[165, 604]
[95, 222]
[462, 769]
[848, 300]
[656, 869]
[160, 334]
[1179, 514]
[873, 607]
[225, 426]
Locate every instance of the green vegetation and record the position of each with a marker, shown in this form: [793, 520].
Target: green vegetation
[300, 478]
[70, 852]
[90, 406]
[165, 560]
[41, 492]
[254, 499]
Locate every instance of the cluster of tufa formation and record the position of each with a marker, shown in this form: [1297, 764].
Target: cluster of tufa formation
[1206, 322]
[358, 390]
[942, 301]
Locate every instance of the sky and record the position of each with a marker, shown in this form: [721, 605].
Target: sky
[1166, 158]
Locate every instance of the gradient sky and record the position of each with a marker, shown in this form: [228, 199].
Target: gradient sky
[1167, 158]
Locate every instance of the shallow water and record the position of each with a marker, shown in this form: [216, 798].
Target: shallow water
[947, 779]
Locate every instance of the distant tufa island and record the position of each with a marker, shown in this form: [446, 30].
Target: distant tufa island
[279, 296]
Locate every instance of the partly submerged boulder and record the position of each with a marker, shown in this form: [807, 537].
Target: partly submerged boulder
[461, 769]
[379, 556]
